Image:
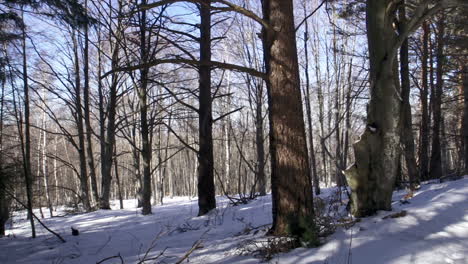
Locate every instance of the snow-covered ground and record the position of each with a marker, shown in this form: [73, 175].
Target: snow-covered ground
[435, 230]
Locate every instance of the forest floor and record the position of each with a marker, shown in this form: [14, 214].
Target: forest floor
[433, 230]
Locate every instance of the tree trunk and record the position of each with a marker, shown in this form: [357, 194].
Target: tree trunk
[102, 126]
[27, 139]
[372, 176]
[57, 191]
[227, 152]
[164, 166]
[84, 189]
[464, 128]
[407, 137]
[259, 141]
[348, 116]
[136, 167]
[146, 152]
[109, 141]
[292, 196]
[4, 204]
[206, 187]
[424, 132]
[338, 154]
[436, 154]
[119, 185]
[312, 160]
[87, 118]
[44, 164]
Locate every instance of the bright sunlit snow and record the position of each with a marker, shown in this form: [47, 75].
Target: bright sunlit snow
[435, 230]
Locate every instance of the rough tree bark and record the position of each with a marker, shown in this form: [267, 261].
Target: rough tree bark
[374, 172]
[87, 118]
[146, 152]
[206, 187]
[464, 128]
[407, 137]
[78, 115]
[290, 177]
[259, 140]
[435, 170]
[109, 140]
[424, 130]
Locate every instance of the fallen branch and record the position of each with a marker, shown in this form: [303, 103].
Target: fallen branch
[196, 245]
[396, 215]
[113, 257]
[145, 259]
[38, 220]
[150, 248]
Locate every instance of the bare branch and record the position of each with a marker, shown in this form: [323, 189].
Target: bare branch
[195, 63]
[230, 7]
[229, 113]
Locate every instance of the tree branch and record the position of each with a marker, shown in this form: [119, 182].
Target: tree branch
[216, 64]
[228, 113]
[311, 14]
[422, 13]
[230, 8]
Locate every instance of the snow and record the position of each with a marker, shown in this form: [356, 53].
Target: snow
[435, 230]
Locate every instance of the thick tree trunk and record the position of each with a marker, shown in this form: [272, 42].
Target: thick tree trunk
[290, 179]
[107, 157]
[407, 137]
[4, 208]
[424, 132]
[87, 118]
[102, 124]
[109, 140]
[206, 187]
[146, 152]
[4, 203]
[372, 176]
[84, 188]
[135, 156]
[464, 128]
[435, 170]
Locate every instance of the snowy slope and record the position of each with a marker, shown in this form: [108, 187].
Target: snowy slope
[435, 230]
